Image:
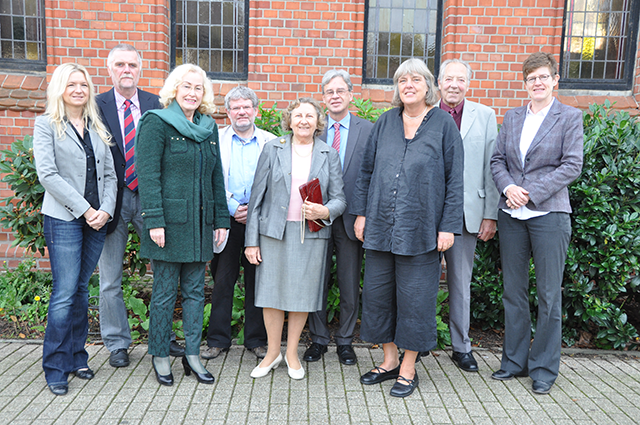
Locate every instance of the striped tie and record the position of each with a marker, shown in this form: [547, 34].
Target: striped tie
[336, 137]
[130, 176]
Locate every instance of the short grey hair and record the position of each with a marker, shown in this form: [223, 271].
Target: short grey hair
[122, 47]
[334, 73]
[241, 92]
[450, 61]
[415, 66]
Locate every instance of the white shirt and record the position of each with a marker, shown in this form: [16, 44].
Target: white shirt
[532, 123]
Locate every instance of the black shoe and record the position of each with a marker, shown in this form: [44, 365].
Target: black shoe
[420, 355]
[380, 375]
[346, 355]
[314, 352]
[205, 378]
[541, 387]
[503, 375]
[176, 350]
[465, 361]
[166, 380]
[402, 390]
[60, 389]
[119, 358]
[260, 351]
[84, 373]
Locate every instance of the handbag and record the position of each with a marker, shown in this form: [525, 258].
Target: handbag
[312, 192]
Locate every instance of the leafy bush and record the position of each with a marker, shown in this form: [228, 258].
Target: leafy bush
[269, 120]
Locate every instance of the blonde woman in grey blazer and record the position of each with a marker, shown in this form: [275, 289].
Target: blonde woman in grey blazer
[75, 167]
[290, 260]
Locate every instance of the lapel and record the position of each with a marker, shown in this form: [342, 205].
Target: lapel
[110, 113]
[520, 114]
[318, 157]
[283, 154]
[146, 101]
[547, 124]
[352, 140]
[469, 114]
[72, 134]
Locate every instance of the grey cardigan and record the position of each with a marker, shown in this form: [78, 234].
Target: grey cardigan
[553, 160]
[271, 190]
[61, 166]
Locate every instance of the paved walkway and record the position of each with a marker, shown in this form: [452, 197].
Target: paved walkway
[592, 389]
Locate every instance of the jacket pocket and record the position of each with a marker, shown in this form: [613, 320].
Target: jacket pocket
[178, 145]
[481, 193]
[209, 213]
[175, 210]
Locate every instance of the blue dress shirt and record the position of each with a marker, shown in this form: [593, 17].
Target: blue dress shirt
[242, 168]
[344, 134]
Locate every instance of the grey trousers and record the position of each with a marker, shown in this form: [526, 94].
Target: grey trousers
[547, 238]
[348, 269]
[114, 325]
[459, 260]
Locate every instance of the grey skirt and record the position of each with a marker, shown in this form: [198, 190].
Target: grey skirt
[291, 275]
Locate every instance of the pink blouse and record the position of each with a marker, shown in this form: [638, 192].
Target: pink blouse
[300, 168]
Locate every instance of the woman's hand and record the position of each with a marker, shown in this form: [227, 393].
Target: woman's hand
[157, 235]
[315, 211]
[220, 235]
[517, 197]
[445, 241]
[358, 227]
[253, 255]
[96, 219]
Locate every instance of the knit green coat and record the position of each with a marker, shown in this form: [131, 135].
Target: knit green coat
[181, 189]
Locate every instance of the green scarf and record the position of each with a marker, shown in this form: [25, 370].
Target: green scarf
[199, 130]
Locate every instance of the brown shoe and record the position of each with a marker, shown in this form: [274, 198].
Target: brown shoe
[260, 352]
[212, 352]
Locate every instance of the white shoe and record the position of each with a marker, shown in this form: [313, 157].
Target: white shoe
[294, 374]
[259, 372]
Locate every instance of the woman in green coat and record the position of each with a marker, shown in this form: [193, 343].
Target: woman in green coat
[183, 200]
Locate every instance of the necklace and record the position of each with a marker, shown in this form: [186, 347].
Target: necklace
[417, 116]
[298, 153]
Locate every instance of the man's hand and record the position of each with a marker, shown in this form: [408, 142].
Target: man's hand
[487, 230]
[358, 227]
[241, 214]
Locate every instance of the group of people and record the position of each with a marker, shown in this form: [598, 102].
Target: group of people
[427, 180]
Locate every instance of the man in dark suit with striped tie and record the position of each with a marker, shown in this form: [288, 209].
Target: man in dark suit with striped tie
[120, 109]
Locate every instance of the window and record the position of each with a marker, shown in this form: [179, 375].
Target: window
[212, 34]
[599, 44]
[396, 30]
[22, 35]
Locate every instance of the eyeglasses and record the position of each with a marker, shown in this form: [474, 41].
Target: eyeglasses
[340, 92]
[542, 78]
[188, 87]
[241, 108]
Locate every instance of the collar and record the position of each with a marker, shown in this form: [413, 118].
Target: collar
[447, 108]
[543, 112]
[120, 100]
[344, 122]
[242, 140]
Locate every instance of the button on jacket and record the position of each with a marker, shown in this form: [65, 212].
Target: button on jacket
[410, 191]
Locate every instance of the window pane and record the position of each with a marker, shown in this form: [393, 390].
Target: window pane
[22, 21]
[398, 30]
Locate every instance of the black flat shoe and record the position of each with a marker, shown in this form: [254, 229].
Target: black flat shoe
[541, 387]
[203, 378]
[378, 375]
[346, 355]
[166, 380]
[465, 361]
[84, 373]
[176, 350]
[314, 352]
[60, 389]
[402, 390]
[503, 375]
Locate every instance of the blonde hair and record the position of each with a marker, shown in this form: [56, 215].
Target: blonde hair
[168, 91]
[57, 110]
[415, 66]
[286, 115]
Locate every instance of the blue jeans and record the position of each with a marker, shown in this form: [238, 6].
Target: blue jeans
[74, 249]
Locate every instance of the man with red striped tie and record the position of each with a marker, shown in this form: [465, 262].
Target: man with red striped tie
[121, 108]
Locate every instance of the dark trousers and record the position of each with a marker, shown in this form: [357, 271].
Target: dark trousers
[348, 266]
[225, 268]
[74, 249]
[547, 239]
[166, 278]
[399, 299]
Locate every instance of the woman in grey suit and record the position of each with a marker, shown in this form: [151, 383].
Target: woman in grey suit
[75, 167]
[290, 258]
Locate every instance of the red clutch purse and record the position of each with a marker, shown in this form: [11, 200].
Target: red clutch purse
[310, 191]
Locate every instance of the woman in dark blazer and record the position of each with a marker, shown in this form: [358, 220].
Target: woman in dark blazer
[75, 167]
[290, 258]
[183, 200]
[538, 154]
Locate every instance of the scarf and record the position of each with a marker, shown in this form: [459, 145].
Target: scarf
[199, 130]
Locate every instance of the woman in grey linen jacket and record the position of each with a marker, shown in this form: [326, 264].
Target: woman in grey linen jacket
[75, 167]
[292, 274]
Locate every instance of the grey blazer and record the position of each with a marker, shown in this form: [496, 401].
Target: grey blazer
[61, 167]
[271, 190]
[479, 130]
[553, 160]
